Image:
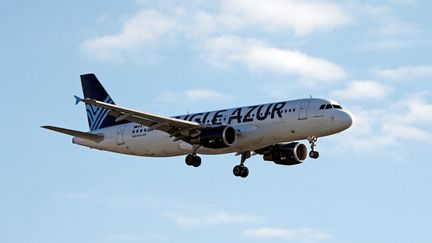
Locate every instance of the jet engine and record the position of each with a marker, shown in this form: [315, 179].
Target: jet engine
[217, 137]
[287, 154]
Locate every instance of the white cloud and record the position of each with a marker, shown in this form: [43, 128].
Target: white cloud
[408, 119]
[406, 72]
[192, 96]
[417, 110]
[384, 30]
[212, 219]
[363, 90]
[394, 27]
[256, 55]
[142, 29]
[302, 234]
[394, 34]
[303, 17]
[145, 30]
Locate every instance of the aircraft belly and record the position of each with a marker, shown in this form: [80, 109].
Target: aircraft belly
[156, 146]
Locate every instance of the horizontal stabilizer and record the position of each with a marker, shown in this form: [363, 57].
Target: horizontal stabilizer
[77, 99]
[84, 135]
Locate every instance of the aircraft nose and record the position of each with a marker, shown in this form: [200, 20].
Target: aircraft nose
[346, 119]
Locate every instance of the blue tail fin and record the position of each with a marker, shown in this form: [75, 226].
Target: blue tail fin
[97, 117]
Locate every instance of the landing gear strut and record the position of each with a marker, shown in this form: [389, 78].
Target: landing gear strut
[313, 154]
[193, 159]
[241, 170]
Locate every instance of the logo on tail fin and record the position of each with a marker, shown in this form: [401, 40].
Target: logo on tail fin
[96, 115]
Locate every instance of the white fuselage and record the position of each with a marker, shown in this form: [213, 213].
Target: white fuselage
[257, 127]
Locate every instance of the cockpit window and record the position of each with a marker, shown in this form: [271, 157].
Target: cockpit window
[330, 106]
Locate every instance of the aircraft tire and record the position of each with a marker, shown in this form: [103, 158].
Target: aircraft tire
[196, 161]
[240, 171]
[189, 159]
[314, 154]
[237, 170]
[245, 172]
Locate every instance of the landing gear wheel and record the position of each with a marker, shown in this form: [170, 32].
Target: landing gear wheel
[193, 160]
[241, 171]
[314, 154]
[237, 170]
[197, 161]
[189, 159]
[245, 172]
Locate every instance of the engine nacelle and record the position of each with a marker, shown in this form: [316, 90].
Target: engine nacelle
[287, 154]
[217, 137]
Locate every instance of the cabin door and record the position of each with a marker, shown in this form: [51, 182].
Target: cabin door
[304, 105]
[120, 135]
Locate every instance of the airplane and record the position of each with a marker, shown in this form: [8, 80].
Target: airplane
[271, 130]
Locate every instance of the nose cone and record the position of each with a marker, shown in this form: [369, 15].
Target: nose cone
[346, 119]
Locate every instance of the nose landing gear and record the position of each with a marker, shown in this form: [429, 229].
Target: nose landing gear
[312, 141]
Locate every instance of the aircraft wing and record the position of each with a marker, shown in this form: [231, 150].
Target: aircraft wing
[178, 128]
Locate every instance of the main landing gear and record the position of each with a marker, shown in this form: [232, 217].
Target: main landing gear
[313, 154]
[193, 159]
[241, 170]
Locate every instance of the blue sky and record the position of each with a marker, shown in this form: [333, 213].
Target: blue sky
[371, 184]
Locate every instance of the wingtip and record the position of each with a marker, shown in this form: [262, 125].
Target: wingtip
[47, 127]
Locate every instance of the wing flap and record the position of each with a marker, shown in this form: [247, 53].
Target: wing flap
[143, 115]
[173, 126]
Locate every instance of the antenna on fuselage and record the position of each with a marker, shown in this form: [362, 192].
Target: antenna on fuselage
[310, 96]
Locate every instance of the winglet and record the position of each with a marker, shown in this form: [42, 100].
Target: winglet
[77, 99]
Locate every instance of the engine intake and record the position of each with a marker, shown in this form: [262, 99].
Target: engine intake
[287, 154]
[217, 137]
